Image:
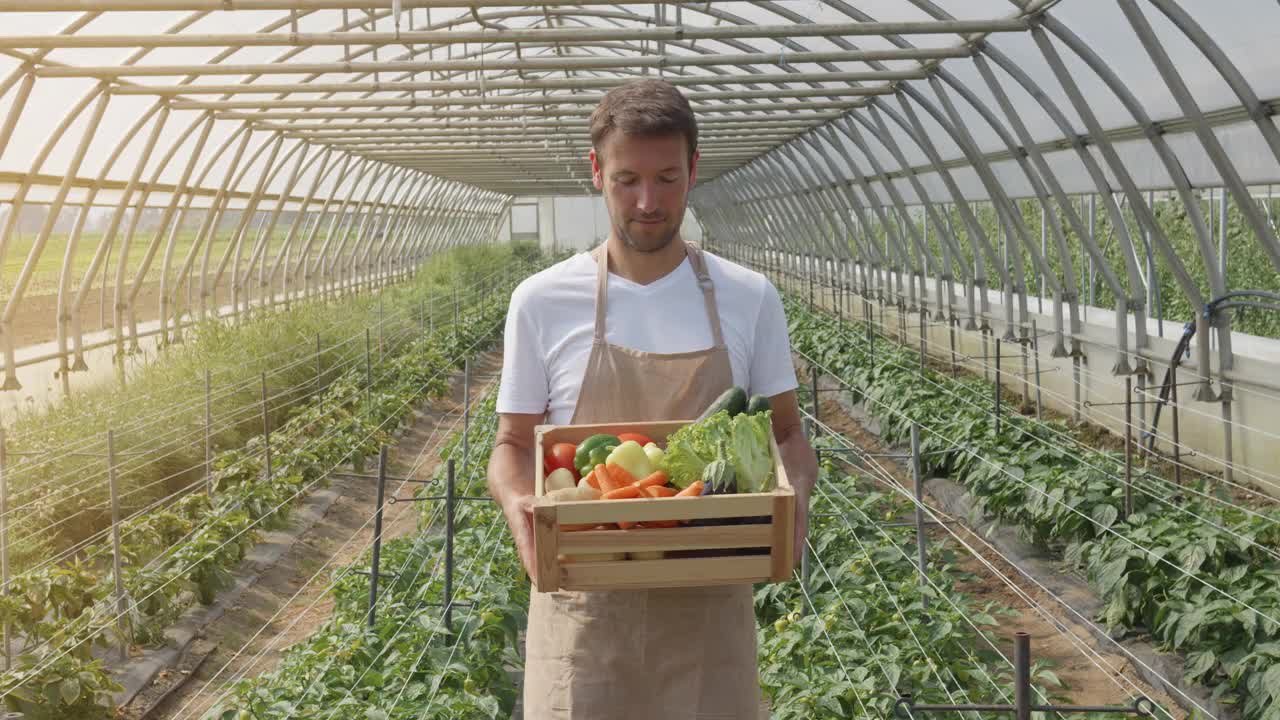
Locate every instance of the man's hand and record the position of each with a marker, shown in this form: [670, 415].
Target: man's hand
[798, 458]
[511, 476]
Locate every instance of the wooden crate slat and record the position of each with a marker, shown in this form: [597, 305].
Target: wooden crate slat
[684, 572]
[650, 539]
[649, 509]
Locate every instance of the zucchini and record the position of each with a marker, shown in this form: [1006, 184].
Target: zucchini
[757, 404]
[733, 401]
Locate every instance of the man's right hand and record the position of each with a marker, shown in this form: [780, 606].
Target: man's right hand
[511, 476]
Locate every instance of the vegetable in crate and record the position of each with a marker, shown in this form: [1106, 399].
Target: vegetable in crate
[743, 441]
[631, 457]
[593, 451]
[732, 401]
[719, 477]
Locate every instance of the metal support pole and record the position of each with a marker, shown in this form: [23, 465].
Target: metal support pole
[917, 474]
[1128, 445]
[368, 371]
[449, 497]
[951, 332]
[986, 354]
[266, 430]
[1177, 440]
[381, 321]
[1022, 676]
[1035, 347]
[807, 426]
[466, 412]
[208, 433]
[116, 559]
[996, 385]
[377, 537]
[813, 373]
[4, 543]
[922, 338]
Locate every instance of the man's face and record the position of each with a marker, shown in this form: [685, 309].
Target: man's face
[645, 182]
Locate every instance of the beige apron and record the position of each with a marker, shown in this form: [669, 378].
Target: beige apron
[671, 654]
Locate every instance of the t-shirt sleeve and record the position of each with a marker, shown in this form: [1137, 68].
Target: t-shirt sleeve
[524, 387]
[772, 371]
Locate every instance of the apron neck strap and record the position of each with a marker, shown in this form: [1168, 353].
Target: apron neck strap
[697, 261]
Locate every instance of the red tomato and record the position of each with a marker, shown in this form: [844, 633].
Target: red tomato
[643, 440]
[561, 456]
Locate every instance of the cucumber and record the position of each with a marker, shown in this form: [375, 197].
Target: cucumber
[733, 400]
[757, 404]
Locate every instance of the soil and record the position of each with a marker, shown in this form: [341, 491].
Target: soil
[1108, 682]
[286, 605]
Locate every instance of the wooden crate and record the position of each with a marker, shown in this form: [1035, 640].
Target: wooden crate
[719, 560]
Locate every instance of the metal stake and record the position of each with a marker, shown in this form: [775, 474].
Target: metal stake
[996, 386]
[449, 498]
[917, 474]
[208, 434]
[1022, 676]
[266, 428]
[1177, 442]
[116, 560]
[813, 372]
[951, 331]
[922, 338]
[1035, 346]
[4, 542]
[1128, 445]
[377, 537]
[466, 411]
[368, 372]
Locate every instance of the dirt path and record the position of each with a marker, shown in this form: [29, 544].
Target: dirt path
[1091, 674]
[283, 607]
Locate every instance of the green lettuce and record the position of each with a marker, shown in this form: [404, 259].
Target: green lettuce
[750, 452]
[743, 441]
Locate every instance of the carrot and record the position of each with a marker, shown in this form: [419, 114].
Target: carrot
[591, 480]
[659, 491]
[621, 476]
[655, 478]
[694, 490]
[623, 493]
[606, 479]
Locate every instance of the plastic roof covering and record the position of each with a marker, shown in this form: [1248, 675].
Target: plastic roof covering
[436, 94]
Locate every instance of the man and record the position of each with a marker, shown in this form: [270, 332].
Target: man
[645, 327]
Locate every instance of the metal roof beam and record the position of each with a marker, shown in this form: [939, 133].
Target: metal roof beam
[517, 64]
[579, 83]
[509, 100]
[458, 37]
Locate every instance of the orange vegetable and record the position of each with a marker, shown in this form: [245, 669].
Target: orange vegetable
[625, 492]
[621, 476]
[660, 491]
[606, 479]
[656, 478]
[694, 490]
[591, 480]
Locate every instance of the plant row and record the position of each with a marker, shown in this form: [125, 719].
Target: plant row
[57, 471]
[185, 553]
[1196, 572]
[864, 632]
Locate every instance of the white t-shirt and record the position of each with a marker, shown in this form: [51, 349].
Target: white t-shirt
[552, 318]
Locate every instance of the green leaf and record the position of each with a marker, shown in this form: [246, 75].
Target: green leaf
[374, 713]
[1105, 515]
[1111, 575]
[1199, 663]
[1271, 682]
[70, 691]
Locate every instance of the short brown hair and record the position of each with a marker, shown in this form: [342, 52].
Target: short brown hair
[645, 108]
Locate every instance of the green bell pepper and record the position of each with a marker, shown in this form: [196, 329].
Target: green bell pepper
[593, 451]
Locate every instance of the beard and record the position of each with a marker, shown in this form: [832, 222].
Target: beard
[648, 238]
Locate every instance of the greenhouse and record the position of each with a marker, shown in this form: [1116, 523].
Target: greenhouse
[259, 261]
